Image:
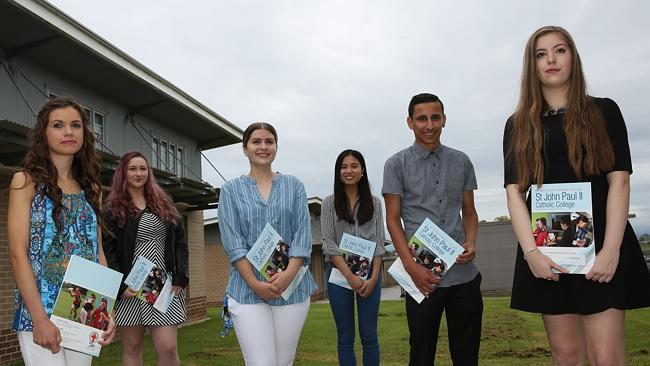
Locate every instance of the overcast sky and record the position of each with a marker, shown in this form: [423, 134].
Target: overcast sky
[331, 75]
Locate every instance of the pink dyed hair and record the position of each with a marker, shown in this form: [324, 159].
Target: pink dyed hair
[119, 200]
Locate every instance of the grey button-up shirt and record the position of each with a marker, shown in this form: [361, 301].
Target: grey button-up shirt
[431, 185]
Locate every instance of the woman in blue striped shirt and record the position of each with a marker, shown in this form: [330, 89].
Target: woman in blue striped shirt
[267, 326]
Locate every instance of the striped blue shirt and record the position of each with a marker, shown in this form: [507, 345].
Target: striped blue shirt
[243, 213]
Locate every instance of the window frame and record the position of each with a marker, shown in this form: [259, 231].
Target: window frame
[167, 155]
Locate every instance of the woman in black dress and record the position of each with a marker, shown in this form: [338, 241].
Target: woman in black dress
[559, 134]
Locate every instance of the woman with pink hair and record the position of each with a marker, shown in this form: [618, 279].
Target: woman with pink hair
[143, 221]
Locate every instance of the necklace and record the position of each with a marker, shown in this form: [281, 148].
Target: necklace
[554, 111]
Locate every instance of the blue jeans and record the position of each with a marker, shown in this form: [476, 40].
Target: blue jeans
[342, 304]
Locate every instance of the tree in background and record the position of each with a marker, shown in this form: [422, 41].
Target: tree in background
[644, 238]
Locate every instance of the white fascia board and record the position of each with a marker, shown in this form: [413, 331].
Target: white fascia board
[314, 200]
[210, 221]
[61, 21]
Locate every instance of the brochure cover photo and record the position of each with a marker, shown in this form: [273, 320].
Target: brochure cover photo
[562, 224]
[431, 247]
[358, 253]
[86, 298]
[152, 284]
[270, 255]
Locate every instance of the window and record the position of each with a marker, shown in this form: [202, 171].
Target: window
[172, 158]
[181, 162]
[96, 121]
[164, 157]
[155, 153]
[167, 156]
[98, 125]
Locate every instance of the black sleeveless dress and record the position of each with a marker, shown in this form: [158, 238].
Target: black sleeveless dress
[574, 294]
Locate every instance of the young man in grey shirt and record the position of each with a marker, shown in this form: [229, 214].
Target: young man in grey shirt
[430, 180]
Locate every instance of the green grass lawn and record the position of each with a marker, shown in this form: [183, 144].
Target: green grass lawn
[509, 338]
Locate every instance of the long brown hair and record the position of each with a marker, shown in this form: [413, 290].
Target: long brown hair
[85, 166]
[589, 148]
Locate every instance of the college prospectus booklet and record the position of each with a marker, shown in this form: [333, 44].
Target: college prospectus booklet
[357, 253]
[431, 247]
[270, 255]
[404, 279]
[85, 300]
[562, 224]
[152, 284]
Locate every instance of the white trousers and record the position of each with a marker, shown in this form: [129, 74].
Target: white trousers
[35, 355]
[268, 335]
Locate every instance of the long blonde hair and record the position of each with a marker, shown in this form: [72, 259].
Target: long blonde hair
[589, 148]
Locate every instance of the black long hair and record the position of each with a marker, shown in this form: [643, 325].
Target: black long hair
[341, 204]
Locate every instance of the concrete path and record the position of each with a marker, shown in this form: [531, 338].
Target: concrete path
[391, 293]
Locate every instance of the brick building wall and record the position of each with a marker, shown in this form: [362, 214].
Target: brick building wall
[196, 291]
[318, 272]
[9, 349]
[217, 271]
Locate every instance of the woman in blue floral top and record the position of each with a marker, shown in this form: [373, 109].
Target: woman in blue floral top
[54, 204]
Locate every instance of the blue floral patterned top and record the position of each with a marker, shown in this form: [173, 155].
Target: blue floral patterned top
[49, 252]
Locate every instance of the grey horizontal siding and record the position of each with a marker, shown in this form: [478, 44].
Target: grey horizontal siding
[119, 136]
